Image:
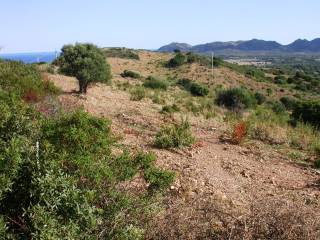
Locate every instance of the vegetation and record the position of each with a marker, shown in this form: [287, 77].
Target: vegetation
[177, 60]
[156, 83]
[194, 88]
[86, 62]
[130, 74]
[120, 53]
[58, 175]
[260, 98]
[197, 89]
[175, 136]
[308, 112]
[170, 108]
[25, 81]
[138, 93]
[236, 99]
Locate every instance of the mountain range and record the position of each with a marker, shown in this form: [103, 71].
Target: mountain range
[250, 46]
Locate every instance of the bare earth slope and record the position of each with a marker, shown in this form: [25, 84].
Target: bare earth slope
[222, 191]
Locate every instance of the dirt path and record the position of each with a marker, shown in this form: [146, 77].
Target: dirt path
[211, 175]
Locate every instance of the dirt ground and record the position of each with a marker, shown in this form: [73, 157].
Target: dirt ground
[219, 186]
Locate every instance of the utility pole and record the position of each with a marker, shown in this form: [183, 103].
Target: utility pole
[212, 54]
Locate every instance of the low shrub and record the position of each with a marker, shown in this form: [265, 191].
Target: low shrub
[308, 112]
[317, 163]
[155, 83]
[159, 179]
[236, 99]
[121, 53]
[239, 132]
[280, 79]
[131, 74]
[289, 103]
[175, 136]
[137, 93]
[185, 83]
[277, 107]
[170, 108]
[260, 98]
[176, 61]
[199, 90]
[24, 80]
[195, 89]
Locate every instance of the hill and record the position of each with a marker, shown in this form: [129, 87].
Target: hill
[154, 155]
[254, 45]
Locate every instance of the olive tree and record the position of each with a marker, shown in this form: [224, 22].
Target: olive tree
[86, 62]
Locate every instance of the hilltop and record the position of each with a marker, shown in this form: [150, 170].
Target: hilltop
[250, 46]
[169, 149]
[220, 186]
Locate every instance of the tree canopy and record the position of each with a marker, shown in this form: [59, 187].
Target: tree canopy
[86, 62]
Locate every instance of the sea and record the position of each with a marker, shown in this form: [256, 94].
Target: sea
[36, 57]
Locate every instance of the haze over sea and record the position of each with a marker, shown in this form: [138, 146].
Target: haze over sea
[36, 57]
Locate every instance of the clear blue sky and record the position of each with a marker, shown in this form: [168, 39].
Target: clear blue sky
[45, 25]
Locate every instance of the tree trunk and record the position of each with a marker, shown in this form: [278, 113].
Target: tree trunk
[82, 87]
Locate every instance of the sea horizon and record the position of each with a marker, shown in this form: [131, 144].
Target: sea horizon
[30, 57]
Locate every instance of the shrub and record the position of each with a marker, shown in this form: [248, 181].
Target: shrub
[138, 93]
[170, 109]
[239, 132]
[289, 103]
[176, 61]
[159, 179]
[86, 62]
[317, 163]
[131, 74]
[185, 83]
[260, 98]
[24, 80]
[236, 99]
[308, 112]
[280, 79]
[199, 90]
[155, 83]
[277, 107]
[64, 187]
[120, 53]
[175, 136]
[269, 91]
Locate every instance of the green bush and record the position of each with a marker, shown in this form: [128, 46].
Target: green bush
[65, 189]
[277, 107]
[176, 61]
[185, 83]
[195, 89]
[308, 112]
[260, 98]
[24, 80]
[236, 99]
[170, 109]
[280, 79]
[199, 90]
[86, 62]
[317, 163]
[137, 93]
[289, 103]
[120, 53]
[159, 179]
[131, 74]
[175, 136]
[155, 83]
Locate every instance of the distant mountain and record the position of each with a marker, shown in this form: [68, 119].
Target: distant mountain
[251, 46]
[302, 45]
[173, 46]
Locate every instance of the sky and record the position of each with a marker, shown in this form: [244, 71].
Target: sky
[38, 25]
